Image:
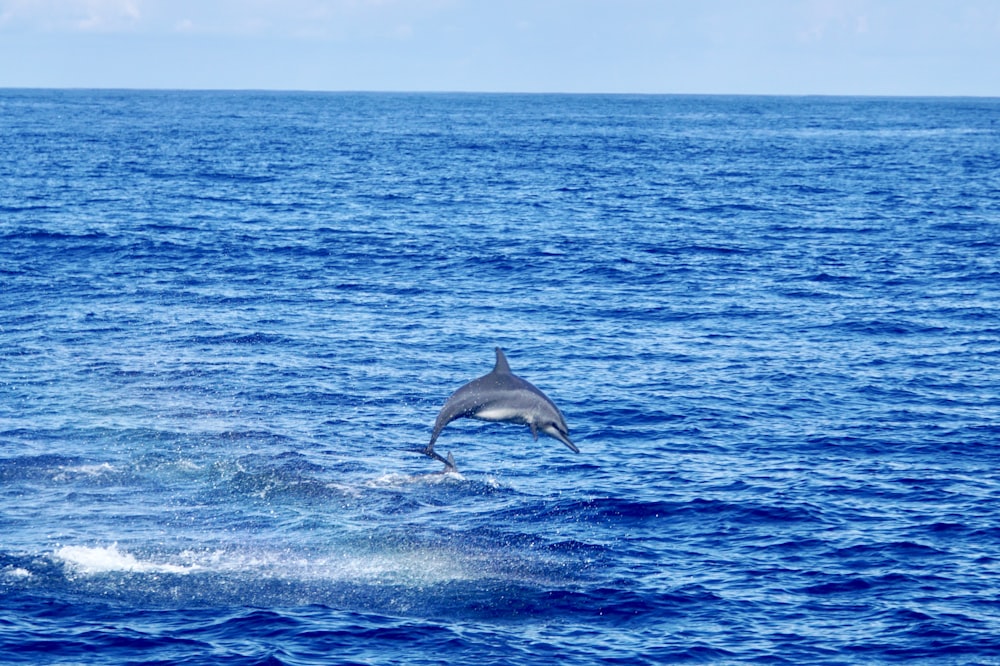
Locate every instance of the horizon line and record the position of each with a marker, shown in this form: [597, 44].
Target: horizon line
[349, 91]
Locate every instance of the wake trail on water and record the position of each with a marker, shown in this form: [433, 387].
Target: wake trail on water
[414, 566]
[430, 576]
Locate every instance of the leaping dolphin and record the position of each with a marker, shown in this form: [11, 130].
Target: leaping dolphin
[501, 396]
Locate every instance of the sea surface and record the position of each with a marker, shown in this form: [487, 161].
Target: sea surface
[229, 319]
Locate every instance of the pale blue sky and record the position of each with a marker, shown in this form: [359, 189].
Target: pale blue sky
[867, 47]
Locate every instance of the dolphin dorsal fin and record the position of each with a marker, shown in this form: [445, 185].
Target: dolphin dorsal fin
[501, 366]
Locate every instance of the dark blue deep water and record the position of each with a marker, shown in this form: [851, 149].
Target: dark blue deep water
[228, 320]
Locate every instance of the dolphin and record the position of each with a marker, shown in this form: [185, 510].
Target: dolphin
[501, 396]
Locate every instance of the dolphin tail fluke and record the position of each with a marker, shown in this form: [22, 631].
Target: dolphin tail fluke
[449, 462]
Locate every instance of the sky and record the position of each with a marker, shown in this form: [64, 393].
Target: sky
[796, 47]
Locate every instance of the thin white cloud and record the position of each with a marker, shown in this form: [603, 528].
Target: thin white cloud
[72, 15]
[392, 19]
[828, 19]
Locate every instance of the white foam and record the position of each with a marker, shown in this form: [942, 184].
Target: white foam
[17, 572]
[420, 566]
[351, 491]
[396, 479]
[86, 560]
[86, 470]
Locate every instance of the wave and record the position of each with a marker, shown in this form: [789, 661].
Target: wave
[58, 238]
[59, 469]
[249, 339]
[87, 560]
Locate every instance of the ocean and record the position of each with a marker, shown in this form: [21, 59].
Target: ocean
[229, 319]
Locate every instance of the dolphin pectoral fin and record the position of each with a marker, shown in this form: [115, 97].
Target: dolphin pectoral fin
[534, 431]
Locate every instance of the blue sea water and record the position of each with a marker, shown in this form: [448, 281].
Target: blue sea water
[228, 320]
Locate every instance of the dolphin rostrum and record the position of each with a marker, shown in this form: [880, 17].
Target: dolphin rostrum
[501, 396]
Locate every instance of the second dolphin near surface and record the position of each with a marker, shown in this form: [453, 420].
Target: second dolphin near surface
[501, 396]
